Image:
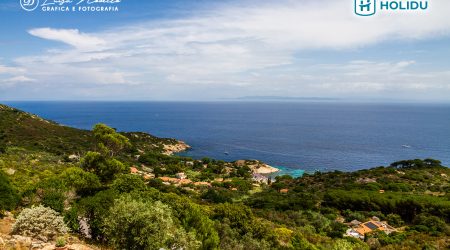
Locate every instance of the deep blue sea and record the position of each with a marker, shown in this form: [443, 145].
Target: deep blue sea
[294, 135]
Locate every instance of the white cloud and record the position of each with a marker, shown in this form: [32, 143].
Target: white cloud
[245, 47]
[70, 36]
[17, 79]
[10, 70]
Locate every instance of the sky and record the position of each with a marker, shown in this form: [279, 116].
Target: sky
[218, 50]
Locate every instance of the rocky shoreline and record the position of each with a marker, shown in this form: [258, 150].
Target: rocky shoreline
[179, 146]
[257, 167]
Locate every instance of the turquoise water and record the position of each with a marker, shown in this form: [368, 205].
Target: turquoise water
[288, 171]
[297, 135]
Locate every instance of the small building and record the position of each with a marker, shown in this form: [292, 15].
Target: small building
[184, 181]
[74, 157]
[202, 183]
[284, 191]
[134, 170]
[352, 233]
[149, 176]
[146, 169]
[355, 223]
[175, 181]
[168, 179]
[366, 180]
[370, 226]
[381, 191]
[181, 175]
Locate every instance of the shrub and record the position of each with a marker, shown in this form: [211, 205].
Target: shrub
[395, 220]
[39, 221]
[430, 223]
[79, 179]
[127, 183]
[8, 195]
[134, 224]
[60, 242]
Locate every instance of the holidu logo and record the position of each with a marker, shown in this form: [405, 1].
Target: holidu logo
[370, 7]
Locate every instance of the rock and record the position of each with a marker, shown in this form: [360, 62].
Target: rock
[179, 146]
[42, 238]
[73, 157]
[22, 240]
[47, 246]
[10, 171]
[36, 245]
[79, 247]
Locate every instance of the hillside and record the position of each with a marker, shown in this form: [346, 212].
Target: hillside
[125, 191]
[21, 129]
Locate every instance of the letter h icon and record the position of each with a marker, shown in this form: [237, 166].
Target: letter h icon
[365, 7]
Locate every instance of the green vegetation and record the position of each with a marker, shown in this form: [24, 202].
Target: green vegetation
[121, 190]
[8, 195]
[134, 224]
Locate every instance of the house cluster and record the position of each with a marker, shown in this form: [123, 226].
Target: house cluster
[181, 179]
[359, 229]
[146, 174]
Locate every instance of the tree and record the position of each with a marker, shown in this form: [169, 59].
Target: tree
[109, 141]
[127, 183]
[105, 168]
[94, 210]
[430, 223]
[395, 220]
[134, 224]
[193, 218]
[79, 179]
[239, 217]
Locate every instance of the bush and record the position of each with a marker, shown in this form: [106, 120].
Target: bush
[60, 242]
[52, 193]
[217, 196]
[80, 180]
[134, 224]
[8, 195]
[429, 223]
[39, 221]
[127, 183]
[94, 209]
[395, 220]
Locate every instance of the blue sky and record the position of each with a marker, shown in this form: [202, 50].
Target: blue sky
[210, 50]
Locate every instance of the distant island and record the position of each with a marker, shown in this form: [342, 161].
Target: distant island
[66, 188]
[284, 98]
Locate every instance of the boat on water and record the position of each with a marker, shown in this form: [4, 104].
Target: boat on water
[405, 146]
[226, 153]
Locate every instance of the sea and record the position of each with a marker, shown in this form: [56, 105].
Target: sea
[296, 137]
